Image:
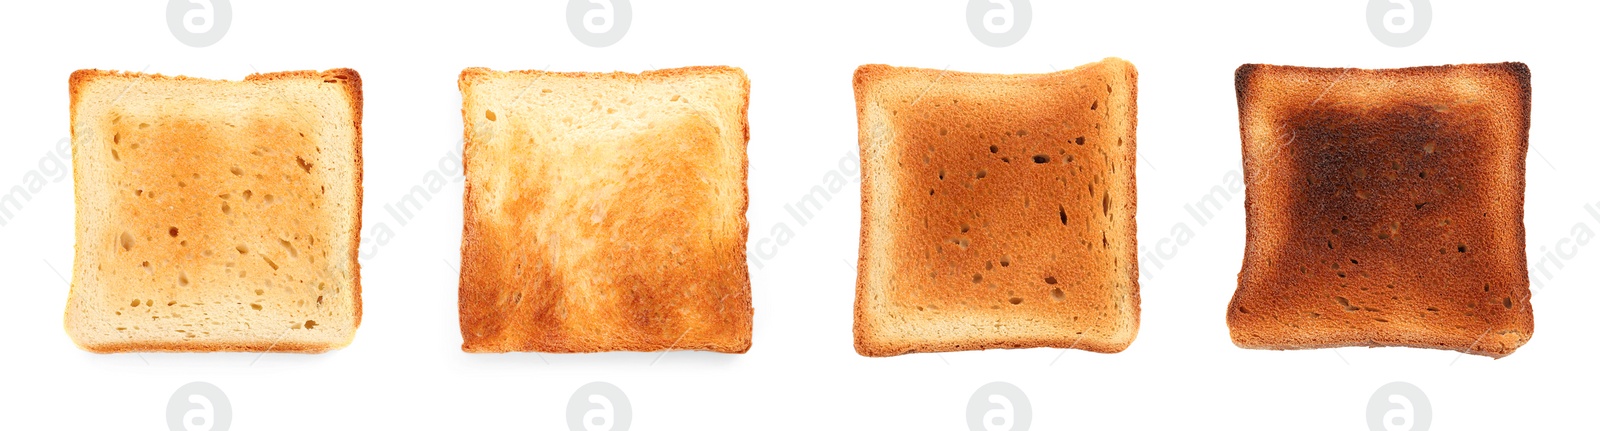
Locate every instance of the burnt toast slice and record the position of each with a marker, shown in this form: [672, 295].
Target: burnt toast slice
[1384, 208]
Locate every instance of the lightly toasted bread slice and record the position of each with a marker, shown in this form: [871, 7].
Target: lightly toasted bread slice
[1384, 208]
[216, 215]
[997, 210]
[605, 211]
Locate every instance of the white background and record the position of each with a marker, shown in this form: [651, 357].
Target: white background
[405, 369]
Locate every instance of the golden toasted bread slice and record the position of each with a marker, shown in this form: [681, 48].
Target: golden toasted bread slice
[1384, 208]
[605, 211]
[997, 210]
[216, 215]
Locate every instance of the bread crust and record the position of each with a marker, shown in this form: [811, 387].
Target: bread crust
[490, 324]
[1384, 208]
[350, 82]
[1003, 280]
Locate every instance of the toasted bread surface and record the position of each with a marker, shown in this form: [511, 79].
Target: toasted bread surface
[216, 215]
[1384, 208]
[997, 210]
[605, 211]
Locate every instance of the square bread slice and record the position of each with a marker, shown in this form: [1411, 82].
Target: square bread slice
[1384, 208]
[605, 211]
[216, 215]
[997, 211]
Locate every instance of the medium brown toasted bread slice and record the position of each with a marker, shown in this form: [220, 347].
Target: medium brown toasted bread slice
[605, 211]
[216, 215]
[1384, 208]
[997, 210]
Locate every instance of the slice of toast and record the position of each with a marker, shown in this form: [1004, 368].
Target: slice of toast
[216, 215]
[1384, 208]
[997, 210]
[605, 211]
